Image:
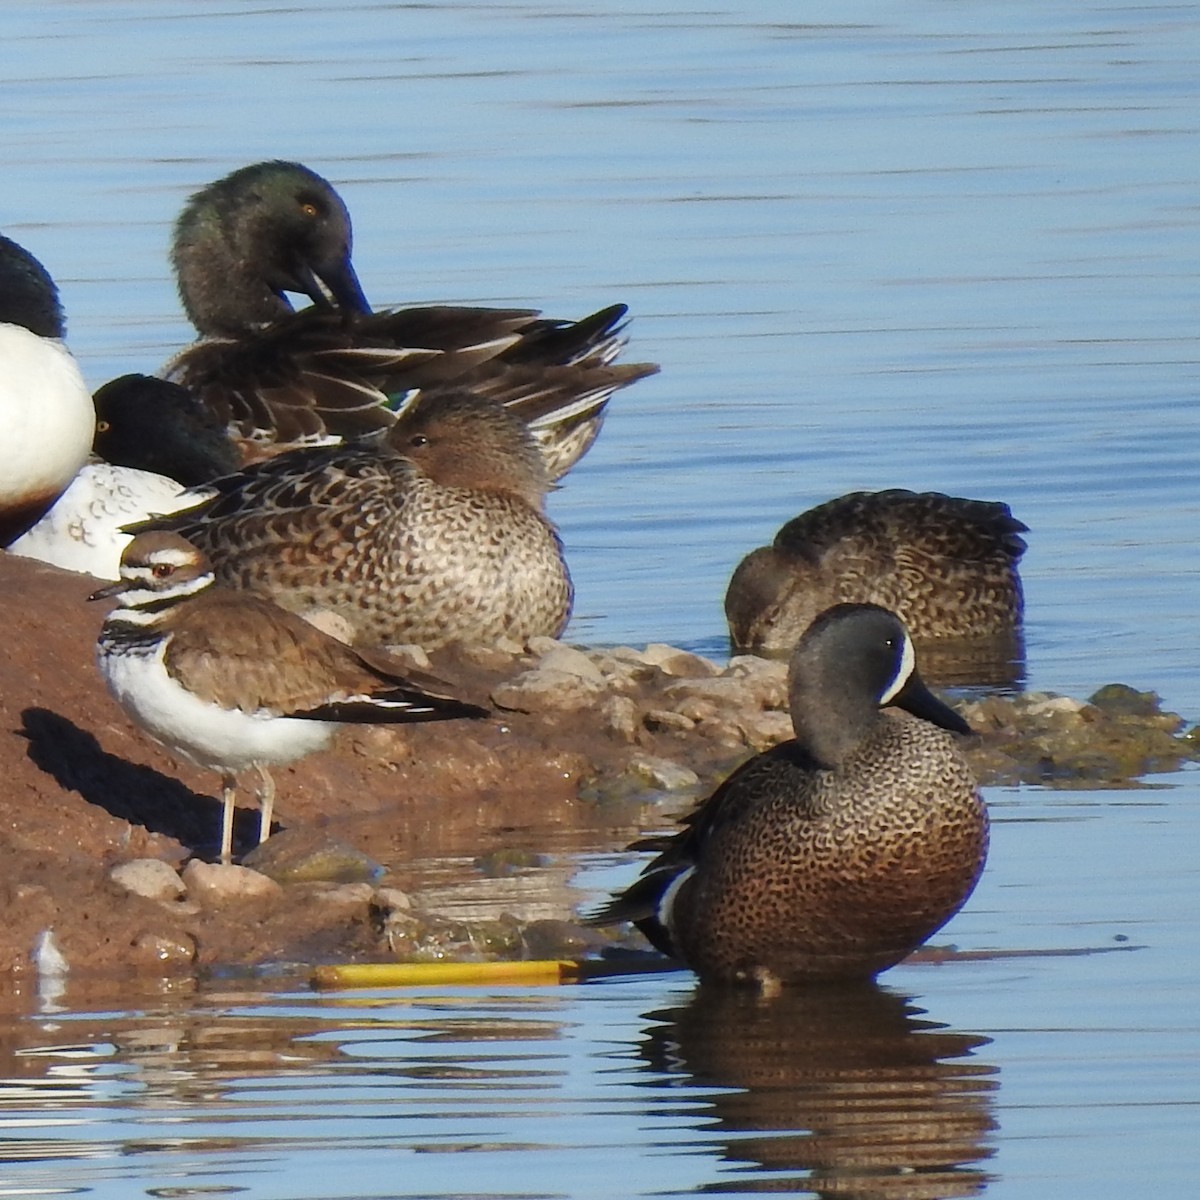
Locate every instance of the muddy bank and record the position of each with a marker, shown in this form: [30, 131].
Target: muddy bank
[586, 749]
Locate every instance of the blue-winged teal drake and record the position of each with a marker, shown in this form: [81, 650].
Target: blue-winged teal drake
[338, 369]
[946, 566]
[435, 534]
[46, 414]
[233, 682]
[833, 855]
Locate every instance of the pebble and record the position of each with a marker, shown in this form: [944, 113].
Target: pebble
[390, 899]
[680, 663]
[619, 714]
[214, 885]
[1047, 705]
[662, 773]
[304, 854]
[166, 951]
[149, 877]
[546, 690]
[349, 895]
[660, 720]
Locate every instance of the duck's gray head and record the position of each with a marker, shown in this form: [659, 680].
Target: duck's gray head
[853, 660]
[242, 243]
[28, 296]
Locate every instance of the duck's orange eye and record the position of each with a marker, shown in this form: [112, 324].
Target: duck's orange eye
[309, 210]
[102, 426]
[161, 570]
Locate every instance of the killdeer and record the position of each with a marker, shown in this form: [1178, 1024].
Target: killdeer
[437, 535]
[230, 681]
[46, 414]
[833, 855]
[281, 378]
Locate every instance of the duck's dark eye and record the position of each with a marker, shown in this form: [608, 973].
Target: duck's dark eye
[161, 570]
[418, 440]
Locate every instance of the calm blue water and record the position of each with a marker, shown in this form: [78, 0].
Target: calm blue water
[931, 245]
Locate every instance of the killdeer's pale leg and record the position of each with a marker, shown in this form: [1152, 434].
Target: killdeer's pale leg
[229, 802]
[266, 802]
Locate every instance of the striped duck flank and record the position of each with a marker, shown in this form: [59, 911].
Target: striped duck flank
[45, 408]
[948, 567]
[231, 682]
[436, 534]
[835, 854]
[280, 378]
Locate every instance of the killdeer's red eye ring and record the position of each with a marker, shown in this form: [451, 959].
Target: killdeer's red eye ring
[161, 570]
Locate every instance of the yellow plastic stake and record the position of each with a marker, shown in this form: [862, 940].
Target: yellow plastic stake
[433, 974]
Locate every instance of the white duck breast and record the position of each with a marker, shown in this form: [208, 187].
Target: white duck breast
[83, 531]
[47, 414]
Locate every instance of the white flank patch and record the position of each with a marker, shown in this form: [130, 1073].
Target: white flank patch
[667, 904]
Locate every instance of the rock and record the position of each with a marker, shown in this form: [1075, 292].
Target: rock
[569, 661]
[490, 658]
[149, 877]
[306, 855]
[765, 678]
[553, 939]
[349, 895]
[732, 693]
[620, 717]
[680, 663]
[330, 622]
[765, 729]
[1051, 705]
[1122, 700]
[663, 773]
[663, 720]
[390, 899]
[214, 885]
[698, 708]
[620, 674]
[413, 655]
[548, 690]
[168, 952]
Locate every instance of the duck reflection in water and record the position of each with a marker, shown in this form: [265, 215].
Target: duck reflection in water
[835, 1090]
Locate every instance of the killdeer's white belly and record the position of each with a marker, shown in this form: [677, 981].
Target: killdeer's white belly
[227, 740]
[82, 532]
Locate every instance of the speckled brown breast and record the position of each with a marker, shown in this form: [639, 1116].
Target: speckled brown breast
[445, 565]
[837, 873]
